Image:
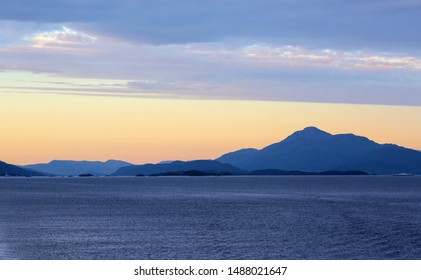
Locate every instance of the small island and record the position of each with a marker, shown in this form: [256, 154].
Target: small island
[86, 175]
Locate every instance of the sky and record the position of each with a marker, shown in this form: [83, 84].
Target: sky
[146, 81]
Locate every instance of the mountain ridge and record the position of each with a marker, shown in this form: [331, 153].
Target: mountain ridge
[75, 167]
[308, 150]
[7, 169]
[314, 150]
[206, 166]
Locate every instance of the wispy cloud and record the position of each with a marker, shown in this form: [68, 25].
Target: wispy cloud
[62, 39]
[219, 70]
[296, 57]
[302, 22]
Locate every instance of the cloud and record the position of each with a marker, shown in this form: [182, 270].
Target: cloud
[157, 86]
[248, 56]
[61, 39]
[299, 57]
[321, 23]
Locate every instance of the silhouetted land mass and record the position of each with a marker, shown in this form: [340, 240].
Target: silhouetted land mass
[86, 175]
[205, 166]
[74, 168]
[194, 173]
[314, 150]
[265, 172]
[12, 170]
[277, 172]
[310, 151]
[334, 172]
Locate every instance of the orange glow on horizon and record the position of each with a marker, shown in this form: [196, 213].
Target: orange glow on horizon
[42, 127]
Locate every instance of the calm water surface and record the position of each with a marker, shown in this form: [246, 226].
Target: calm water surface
[211, 218]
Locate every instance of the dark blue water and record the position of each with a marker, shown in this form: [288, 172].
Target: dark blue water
[211, 218]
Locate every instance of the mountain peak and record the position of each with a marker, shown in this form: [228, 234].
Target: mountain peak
[309, 132]
[313, 130]
[314, 150]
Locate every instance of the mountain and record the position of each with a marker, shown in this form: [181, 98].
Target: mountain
[166, 161]
[206, 166]
[314, 150]
[74, 168]
[12, 170]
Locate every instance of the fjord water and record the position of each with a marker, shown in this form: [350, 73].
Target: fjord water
[367, 217]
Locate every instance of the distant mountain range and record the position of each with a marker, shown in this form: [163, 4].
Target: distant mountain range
[205, 166]
[310, 151]
[314, 150]
[75, 168]
[12, 170]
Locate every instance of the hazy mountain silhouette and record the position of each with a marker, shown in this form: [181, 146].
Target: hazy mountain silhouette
[314, 150]
[12, 170]
[75, 168]
[206, 166]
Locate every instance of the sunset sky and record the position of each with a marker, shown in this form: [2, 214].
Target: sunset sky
[146, 81]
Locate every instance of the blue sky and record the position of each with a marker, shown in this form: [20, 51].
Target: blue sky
[362, 52]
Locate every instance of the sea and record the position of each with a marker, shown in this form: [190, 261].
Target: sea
[211, 218]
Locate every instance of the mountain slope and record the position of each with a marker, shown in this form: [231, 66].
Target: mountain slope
[12, 170]
[208, 166]
[314, 150]
[74, 168]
